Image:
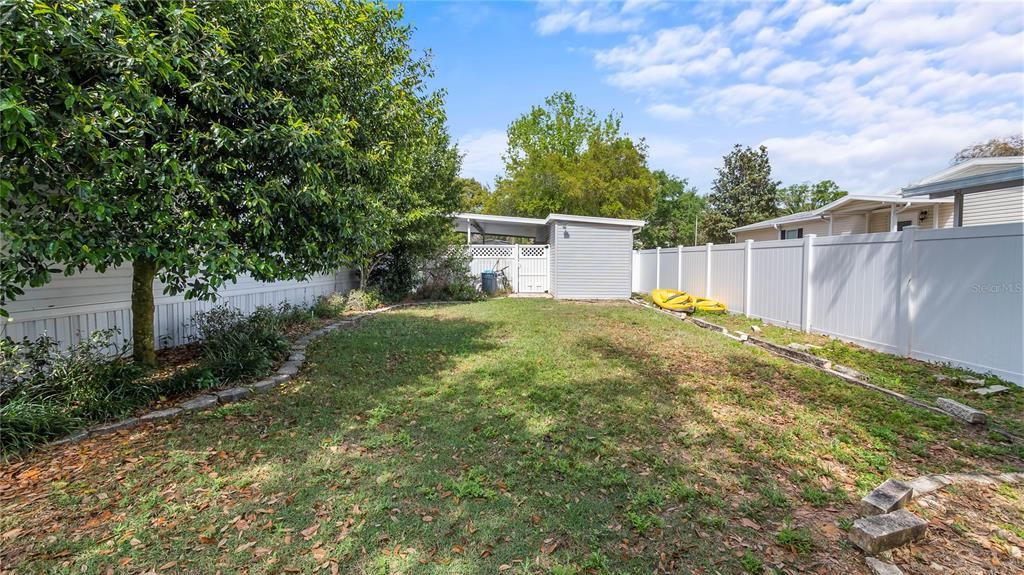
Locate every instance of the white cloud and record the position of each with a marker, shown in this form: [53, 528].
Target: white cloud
[747, 20]
[794, 72]
[482, 155]
[669, 111]
[880, 157]
[593, 17]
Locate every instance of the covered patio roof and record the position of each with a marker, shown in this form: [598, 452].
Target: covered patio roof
[846, 205]
[1002, 179]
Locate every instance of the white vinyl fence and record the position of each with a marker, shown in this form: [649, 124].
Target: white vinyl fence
[525, 266]
[942, 295]
[70, 308]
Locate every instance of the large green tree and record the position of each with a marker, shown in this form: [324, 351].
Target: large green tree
[475, 196]
[742, 193]
[676, 213]
[563, 158]
[202, 140]
[807, 196]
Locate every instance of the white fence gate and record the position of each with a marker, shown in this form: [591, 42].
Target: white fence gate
[951, 295]
[525, 266]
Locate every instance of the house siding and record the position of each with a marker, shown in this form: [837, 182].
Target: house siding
[591, 261]
[552, 260]
[994, 207]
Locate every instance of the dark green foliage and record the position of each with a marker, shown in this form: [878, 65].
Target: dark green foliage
[563, 158]
[743, 193]
[805, 197]
[676, 211]
[446, 277]
[330, 306]
[213, 138]
[236, 347]
[46, 392]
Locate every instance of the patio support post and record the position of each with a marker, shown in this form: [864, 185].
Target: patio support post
[748, 248]
[892, 217]
[707, 270]
[805, 300]
[657, 267]
[905, 311]
[679, 268]
[958, 210]
[469, 232]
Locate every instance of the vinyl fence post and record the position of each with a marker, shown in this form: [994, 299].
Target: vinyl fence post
[679, 268]
[657, 268]
[748, 246]
[707, 270]
[806, 292]
[905, 307]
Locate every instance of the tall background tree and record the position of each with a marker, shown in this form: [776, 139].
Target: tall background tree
[742, 193]
[1012, 145]
[475, 196]
[204, 140]
[673, 219]
[563, 158]
[807, 196]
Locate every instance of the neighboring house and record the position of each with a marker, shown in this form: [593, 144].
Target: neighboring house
[853, 215]
[980, 191]
[984, 190]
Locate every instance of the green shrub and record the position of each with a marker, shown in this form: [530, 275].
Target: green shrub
[236, 347]
[447, 277]
[46, 392]
[363, 300]
[329, 306]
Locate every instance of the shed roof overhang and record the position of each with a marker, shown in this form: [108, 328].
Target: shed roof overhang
[528, 227]
[1002, 179]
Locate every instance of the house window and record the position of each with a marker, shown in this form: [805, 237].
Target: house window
[791, 234]
[903, 224]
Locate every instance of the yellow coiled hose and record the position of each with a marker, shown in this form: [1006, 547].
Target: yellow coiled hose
[676, 300]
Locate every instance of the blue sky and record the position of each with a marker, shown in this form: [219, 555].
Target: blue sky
[872, 95]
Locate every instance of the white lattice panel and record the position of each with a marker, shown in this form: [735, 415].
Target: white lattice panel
[486, 251]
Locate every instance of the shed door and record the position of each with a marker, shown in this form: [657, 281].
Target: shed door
[533, 269]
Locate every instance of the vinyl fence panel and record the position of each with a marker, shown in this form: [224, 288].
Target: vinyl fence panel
[855, 283]
[776, 268]
[952, 295]
[69, 308]
[728, 268]
[967, 298]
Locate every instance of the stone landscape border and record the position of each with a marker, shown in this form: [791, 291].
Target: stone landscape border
[215, 398]
[945, 406]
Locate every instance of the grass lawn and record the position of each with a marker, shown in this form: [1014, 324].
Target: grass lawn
[509, 436]
[917, 379]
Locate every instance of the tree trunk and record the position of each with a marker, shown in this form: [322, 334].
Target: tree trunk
[143, 311]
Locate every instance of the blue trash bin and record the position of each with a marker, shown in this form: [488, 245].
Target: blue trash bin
[489, 282]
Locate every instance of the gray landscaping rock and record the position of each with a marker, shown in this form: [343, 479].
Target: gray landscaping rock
[848, 371]
[992, 389]
[199, 402]
[269, 383]
[161, 414]
[889, 496]
[972, 380]
[928, 483]
[288, 368]
[883, 532]
[233, 394]
[297, 356]
[882, 568]
[115, 426]
[73, 438]
[755, 329]
[959, 410]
